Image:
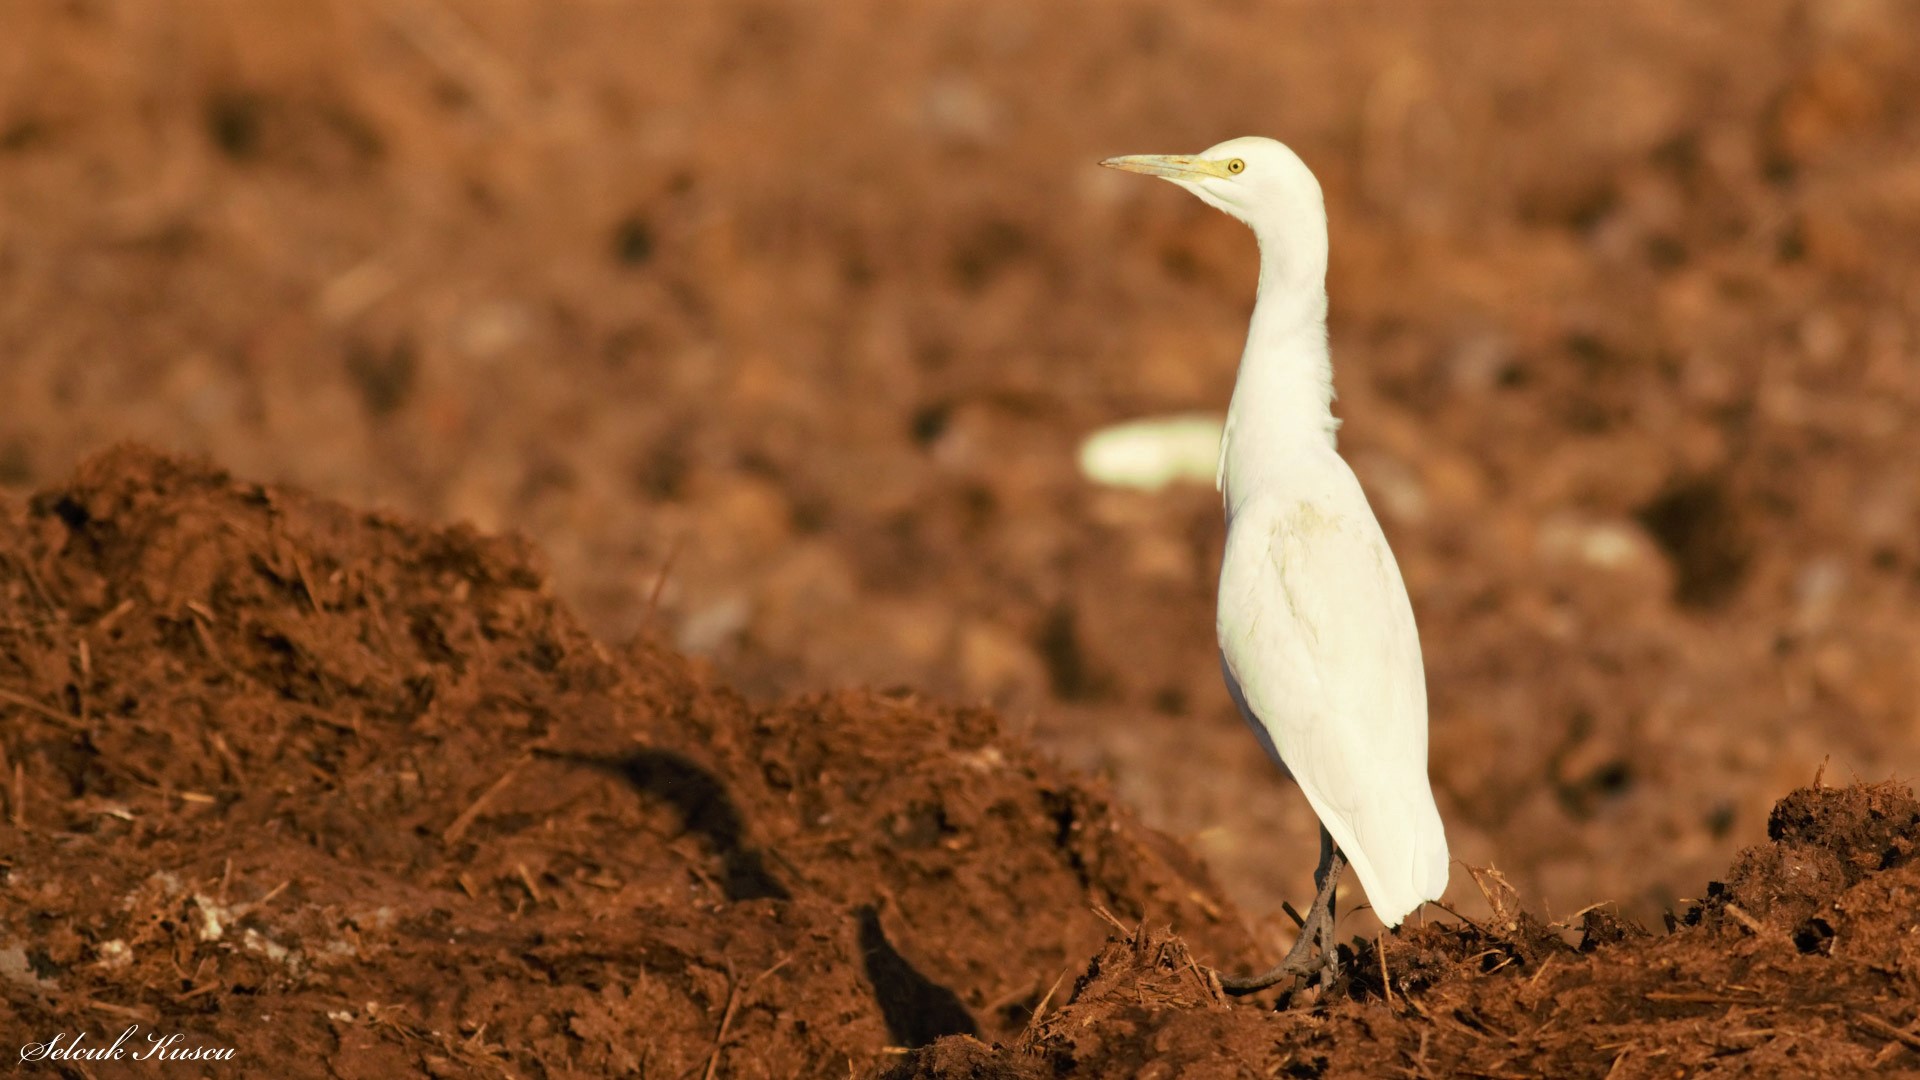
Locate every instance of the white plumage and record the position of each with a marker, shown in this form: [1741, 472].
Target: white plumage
[1317, 636]
[1318, 641]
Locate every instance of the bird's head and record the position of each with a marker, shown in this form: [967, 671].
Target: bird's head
[1259, 181]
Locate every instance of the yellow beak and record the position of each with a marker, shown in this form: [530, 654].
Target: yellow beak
[1169, 166]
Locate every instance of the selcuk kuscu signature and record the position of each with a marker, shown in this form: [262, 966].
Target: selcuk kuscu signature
[128, 1047]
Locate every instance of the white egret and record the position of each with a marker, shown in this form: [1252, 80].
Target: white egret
[1317, 638]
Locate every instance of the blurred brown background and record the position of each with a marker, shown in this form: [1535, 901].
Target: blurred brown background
[806, 307]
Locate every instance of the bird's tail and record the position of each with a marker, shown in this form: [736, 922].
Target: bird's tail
[1397, 847]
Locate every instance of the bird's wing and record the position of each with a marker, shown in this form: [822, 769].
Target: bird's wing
[1317, 631]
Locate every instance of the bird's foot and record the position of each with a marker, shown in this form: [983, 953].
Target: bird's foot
[1313, 954]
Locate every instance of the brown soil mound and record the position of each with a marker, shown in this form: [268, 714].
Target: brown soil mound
[1814, 972]
[360, 798]
[356, 797]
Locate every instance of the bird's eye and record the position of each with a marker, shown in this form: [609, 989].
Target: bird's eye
[1236, 166]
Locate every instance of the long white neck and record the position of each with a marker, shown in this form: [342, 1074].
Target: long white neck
[1283, 396]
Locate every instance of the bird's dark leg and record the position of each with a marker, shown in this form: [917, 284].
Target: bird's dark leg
[1316, 931]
